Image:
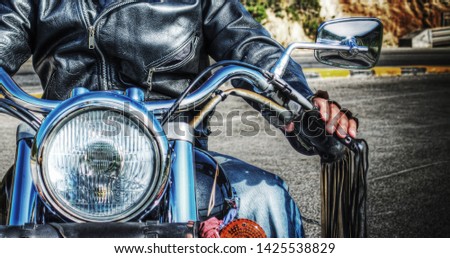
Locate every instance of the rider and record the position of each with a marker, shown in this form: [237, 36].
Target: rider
[159, 46]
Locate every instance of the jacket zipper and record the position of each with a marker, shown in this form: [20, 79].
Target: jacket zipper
[92, 39]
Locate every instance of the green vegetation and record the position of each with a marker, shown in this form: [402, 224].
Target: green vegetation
[305, 11]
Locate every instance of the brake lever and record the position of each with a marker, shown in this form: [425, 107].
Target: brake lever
[288, 91]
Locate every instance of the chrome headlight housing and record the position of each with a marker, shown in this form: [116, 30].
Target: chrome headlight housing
[100, 158]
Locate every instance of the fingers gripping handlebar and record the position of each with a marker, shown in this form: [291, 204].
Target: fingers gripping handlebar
[310, 125]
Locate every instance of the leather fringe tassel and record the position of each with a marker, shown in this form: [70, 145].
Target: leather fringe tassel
[344, 193]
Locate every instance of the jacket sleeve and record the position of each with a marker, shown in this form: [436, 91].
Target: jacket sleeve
[232, 33]
[15, 33]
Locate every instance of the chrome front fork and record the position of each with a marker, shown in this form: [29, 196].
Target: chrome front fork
[182, 195]
[23, 193]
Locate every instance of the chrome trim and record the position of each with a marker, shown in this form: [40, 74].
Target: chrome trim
[111, 101]
[182, 196]
[135, 94]
[78, 91]
[179, 131]
[340, 20]
[12, 91]
[213, 83]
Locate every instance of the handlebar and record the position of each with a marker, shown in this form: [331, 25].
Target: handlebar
[12, 91]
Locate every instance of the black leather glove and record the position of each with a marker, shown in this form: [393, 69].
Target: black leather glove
[309, 136]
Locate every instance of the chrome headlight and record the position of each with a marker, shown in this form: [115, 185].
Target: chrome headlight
[100, 163]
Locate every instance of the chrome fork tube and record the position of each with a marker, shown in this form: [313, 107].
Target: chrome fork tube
[182, 196]
[23, 194]
[183, 204]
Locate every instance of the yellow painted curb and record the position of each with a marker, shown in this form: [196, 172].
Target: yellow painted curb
[327, 73]
[387, 71]
[438, 69]
[36, 95]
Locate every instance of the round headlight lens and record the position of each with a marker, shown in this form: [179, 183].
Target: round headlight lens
[100, 165]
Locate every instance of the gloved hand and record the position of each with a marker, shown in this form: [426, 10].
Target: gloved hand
[313, 132]
[337, 119]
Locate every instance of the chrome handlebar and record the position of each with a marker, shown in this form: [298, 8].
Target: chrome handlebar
[12, 91]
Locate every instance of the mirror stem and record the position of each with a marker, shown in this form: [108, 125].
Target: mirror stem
[280, 67]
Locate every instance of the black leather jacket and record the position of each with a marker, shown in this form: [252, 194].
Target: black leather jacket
[159, 46]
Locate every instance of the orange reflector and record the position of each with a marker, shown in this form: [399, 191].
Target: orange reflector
[243, 228]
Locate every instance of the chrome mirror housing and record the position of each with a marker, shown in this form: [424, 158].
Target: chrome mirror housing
[355, 33]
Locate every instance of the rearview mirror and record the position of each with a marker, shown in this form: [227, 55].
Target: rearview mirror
[354, 33]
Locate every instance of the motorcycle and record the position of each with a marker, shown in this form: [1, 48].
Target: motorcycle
[109, 164]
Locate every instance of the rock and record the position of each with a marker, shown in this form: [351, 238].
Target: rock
[399, 17]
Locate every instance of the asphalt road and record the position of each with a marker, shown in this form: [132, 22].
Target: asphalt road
[406, 123]
[404, 119]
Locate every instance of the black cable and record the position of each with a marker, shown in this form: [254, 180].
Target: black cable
[2, 110]
[23, 111]
[183, 95]
[7, 109]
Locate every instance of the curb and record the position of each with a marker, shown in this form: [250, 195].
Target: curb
[36, 95]
[382, 71]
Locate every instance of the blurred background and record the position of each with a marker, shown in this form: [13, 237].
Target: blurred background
[402, 104]
[404, 21]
